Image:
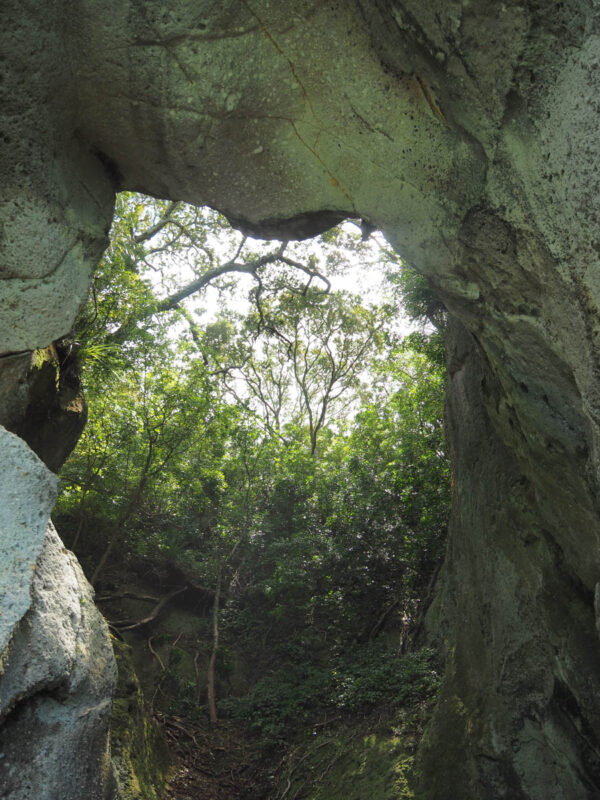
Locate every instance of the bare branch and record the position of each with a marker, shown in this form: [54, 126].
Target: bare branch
[312, 273]
[162, 223]
[249, 268]
[155, 654]
[155, 612]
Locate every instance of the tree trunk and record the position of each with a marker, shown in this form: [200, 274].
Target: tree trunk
[125, 515]
[212, 702]
[104, 558]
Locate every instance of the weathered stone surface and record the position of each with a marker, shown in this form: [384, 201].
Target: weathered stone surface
[468, 132]
[56, 664]
[14, 390]
[58, 675]
[27, 494]
[296, 130]
[140, 754]
[515, 615]
[55, 196]
[43, 402]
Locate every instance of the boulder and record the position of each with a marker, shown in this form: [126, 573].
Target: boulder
[57, 670]
[56, 686]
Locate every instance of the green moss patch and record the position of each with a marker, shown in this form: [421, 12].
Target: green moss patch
[372, 767]
[370, 759]
[140, 754]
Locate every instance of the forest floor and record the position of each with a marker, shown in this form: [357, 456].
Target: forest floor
[361, 759]
[211, 762]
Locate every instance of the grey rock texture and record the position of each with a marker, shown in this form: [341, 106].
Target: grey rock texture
[27, 494]
[55, 197]
[518, 712]
[58, 675]
[469, 133]
[57, 669]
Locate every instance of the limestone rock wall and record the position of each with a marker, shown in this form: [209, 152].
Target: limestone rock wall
[43, 402]
[56, 197]
[56, 690]
[57, 670]
[468, 133]
[518, 715]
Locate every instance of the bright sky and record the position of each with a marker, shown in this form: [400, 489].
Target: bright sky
[362, 275]
[357, 268]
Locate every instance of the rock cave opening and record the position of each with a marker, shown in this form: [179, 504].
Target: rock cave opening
[260, 470]
[468, 133]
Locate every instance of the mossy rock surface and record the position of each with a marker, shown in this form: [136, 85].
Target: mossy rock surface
[363, 761]
[374, 767]
[140, 753]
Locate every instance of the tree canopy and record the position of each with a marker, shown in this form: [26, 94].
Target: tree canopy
[285, 451]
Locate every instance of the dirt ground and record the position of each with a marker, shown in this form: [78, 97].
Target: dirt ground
[212, 762]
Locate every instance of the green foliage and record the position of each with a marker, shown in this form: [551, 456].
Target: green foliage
[354, 764]
[291, 453]
[280, 701]
[377, 675]
[417, 297]
[298, 694]
[183, 696]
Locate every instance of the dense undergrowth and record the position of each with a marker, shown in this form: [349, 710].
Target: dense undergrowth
[261, 503]
[298, 693]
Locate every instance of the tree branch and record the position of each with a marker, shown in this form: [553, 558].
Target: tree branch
[229, 266]
[312, 273]
[155, 611]
[162, 223]
[172, 301]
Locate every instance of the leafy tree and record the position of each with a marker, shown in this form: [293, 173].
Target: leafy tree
[301, 358]
[161, 255]
[289, 455]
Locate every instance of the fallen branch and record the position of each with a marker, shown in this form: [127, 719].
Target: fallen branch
[155, 612]
[106, 598]
[155, 654]
[326, 722]
[173, 723]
